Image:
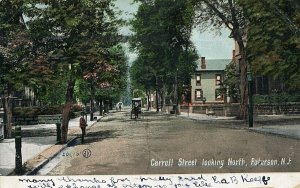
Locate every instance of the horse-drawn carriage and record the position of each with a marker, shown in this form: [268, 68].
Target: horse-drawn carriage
[136, 108]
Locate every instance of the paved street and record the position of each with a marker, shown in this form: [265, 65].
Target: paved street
[159, 143]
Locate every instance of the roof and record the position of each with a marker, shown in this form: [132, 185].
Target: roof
[136, 99]
[214, 64]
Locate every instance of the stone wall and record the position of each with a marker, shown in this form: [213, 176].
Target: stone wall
[232, 109]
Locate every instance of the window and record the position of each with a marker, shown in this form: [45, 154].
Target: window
[198, 79]
[198, 94]
[218, 79]
[218, 95]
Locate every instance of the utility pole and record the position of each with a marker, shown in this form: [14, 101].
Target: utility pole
[18, 146]
[250, 103]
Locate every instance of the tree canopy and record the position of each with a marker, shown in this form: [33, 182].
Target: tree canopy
[273, 39]
[267, 35]
[162, 31]
[15, 48]
[58, 43]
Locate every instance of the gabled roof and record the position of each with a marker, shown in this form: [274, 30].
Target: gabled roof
[213, 64]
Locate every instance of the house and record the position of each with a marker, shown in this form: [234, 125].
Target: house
[205, 83]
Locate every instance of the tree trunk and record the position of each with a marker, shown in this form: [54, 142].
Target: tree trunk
[66, 111]
[101, 107]
[156, 93]
[8, 117]
[243, 90]
[176, 94]
[225, 94]
[7, 104]
[92, 103]
[163, 96]
[243, 82]
[148, 100]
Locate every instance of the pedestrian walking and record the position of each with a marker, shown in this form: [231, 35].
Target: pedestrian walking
[120, 106]
[82, 125]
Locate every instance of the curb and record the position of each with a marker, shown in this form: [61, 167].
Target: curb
[219, 120]
[43, 163]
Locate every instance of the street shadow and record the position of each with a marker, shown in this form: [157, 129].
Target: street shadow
[151, 113]
[109, 119]
[98, 136]
[122, 119]
[127, 120]
[114, 119]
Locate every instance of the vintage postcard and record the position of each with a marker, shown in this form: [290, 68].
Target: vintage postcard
[156, 93]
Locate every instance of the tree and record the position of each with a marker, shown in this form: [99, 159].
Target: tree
[228, 87]
[81, 90]
[162, 35]
[116, 81]
[218, 14]
[187, 66]
[14, 53]
[120, 61]
[72, 38]
[142, 76]
[273, 40]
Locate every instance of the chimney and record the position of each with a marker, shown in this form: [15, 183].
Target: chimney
[203, 64]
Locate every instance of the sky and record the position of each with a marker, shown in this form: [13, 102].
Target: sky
[208, 43]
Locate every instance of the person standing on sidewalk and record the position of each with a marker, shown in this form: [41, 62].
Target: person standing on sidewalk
[82, 125]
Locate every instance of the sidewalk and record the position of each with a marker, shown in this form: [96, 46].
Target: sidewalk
[268, 124]
[204, 116]
[289, 131]
[36, 150]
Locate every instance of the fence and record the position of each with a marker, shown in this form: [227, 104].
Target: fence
[25, 120]
[218, 109]
[40, 119]
[272, 109]
[233, 109]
